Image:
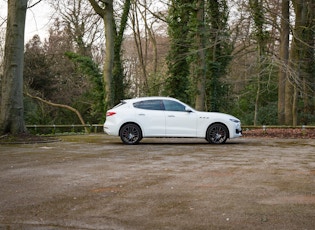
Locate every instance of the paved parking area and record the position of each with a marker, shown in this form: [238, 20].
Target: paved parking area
[95, 182]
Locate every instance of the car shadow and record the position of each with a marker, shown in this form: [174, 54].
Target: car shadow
[180, 141]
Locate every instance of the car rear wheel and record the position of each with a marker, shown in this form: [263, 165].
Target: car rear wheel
[217, 134]
[130, 134]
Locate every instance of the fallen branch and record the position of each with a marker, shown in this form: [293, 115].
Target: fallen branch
[60, 106]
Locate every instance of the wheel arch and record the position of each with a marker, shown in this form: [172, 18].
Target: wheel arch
[221, 123]
[130, 122]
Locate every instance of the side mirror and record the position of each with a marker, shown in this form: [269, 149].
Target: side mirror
[188, 110]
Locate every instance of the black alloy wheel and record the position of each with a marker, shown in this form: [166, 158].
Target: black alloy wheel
[130, 134]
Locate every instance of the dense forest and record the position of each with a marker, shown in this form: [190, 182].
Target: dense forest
[250, 58]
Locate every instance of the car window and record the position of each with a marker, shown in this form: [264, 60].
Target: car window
[173, 106]
[149, 104]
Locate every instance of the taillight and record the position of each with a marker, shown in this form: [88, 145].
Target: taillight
[108, 114]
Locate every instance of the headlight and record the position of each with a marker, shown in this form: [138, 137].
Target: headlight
[235, 120]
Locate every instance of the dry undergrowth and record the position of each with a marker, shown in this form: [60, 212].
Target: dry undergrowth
[25, 138]
[281, 133]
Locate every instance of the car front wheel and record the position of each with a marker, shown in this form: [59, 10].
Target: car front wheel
[217, 134]
[130, 134]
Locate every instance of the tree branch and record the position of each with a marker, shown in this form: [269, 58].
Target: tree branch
[60, 106]
[34, 4]
[97, 8]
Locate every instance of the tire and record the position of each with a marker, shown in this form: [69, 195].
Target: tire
[217, 134]
[130, 134]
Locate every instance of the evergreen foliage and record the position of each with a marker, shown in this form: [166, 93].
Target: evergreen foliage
[37, 74]
[118, 81]
[177, 83]
[219, 53]
[184, 58]
[87, 66]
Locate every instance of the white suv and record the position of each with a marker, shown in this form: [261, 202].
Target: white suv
[134, 119]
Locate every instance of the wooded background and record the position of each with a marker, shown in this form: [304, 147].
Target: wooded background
[253, 59]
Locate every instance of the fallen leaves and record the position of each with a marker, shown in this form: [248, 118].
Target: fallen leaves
[281, 133]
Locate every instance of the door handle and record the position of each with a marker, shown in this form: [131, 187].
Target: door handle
[171, 115]
[141, 114]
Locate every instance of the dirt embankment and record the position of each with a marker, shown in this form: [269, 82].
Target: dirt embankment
[281, 133]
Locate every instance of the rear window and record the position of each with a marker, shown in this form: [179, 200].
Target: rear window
[149, 104]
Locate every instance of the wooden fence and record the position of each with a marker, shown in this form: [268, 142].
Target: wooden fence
[53, 129]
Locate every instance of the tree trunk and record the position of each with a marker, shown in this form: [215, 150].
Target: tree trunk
[179, 66]
[107, 14]
[261, 38]
[118, 69]
[288, 109]
[113, 73]
[308, 62]
[201, 58]
[302, 62]
[284, 56]
[12, 108]
[257, 99]
[109, 52]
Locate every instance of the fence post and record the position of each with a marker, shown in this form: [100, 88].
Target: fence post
[303, 130]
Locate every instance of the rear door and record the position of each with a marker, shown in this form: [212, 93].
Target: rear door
[151, 116]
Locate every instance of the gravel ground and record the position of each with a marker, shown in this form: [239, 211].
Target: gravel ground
[95, 182]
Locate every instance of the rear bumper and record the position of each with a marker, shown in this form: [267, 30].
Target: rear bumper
[110, 130]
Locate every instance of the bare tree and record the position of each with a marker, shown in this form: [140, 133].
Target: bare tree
[147, 32]
[81, 24]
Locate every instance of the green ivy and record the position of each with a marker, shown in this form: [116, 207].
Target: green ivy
[87, 66]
